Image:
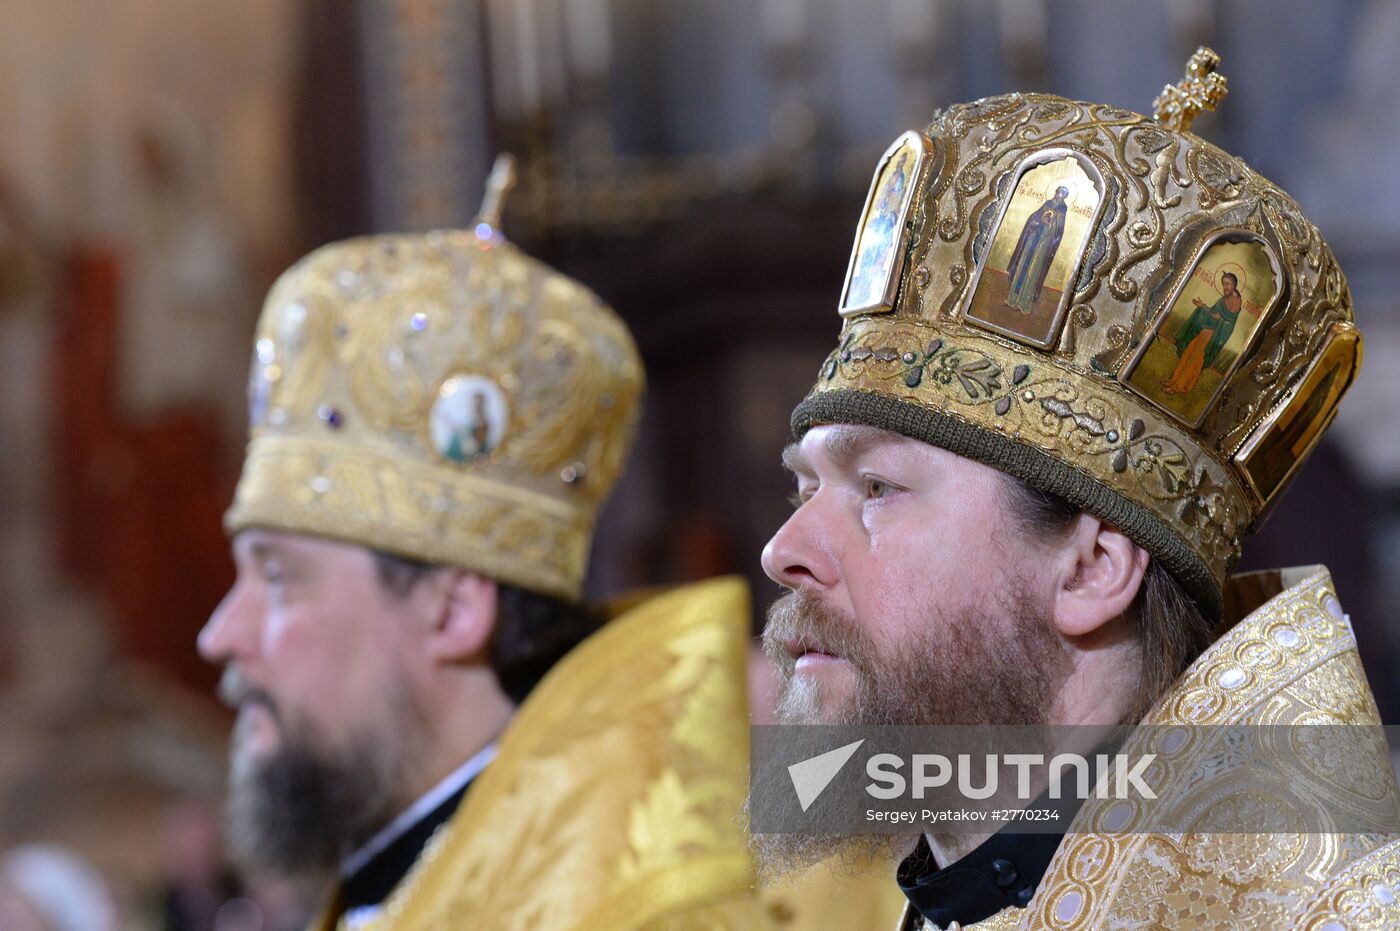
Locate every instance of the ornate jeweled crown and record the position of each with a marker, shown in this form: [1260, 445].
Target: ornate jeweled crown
[1103, 305]
[440, 396]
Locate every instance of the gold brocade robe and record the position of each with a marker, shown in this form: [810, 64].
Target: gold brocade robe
[613, 803]
[1291, 661]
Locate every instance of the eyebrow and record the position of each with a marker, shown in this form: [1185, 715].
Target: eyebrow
[257, 551]
[793, 460]
[262, 550]
[843, 445]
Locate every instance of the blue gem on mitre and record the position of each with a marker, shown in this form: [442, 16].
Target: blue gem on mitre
[332, 417]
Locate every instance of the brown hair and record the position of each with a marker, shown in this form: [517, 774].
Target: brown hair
[533, 631]
[1171, 627]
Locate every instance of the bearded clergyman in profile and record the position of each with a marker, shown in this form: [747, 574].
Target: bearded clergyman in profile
[989, 533]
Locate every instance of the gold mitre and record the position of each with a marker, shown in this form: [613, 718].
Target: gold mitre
[1102, 304]
[440, 396]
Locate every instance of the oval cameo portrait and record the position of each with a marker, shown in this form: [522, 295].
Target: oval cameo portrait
[468, 419]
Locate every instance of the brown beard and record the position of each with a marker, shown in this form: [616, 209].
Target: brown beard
[779, 857]
[305, 807]
[999, 664]
[996, 666]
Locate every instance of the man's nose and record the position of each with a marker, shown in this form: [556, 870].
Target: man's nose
[801, 553]
[230, 633]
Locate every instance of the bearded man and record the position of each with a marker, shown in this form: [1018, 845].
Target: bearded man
[427, 710]
[989, 531]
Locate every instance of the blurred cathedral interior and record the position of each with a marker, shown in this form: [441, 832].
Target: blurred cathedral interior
[699, 163]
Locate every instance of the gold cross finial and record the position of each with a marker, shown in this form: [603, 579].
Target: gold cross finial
[498, 187]
[1202, 89]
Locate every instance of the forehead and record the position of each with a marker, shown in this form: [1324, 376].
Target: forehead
[258, 543]
[956, 483]
[844, 444]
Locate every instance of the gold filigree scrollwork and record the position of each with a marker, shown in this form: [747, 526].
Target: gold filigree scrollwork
[957, 279]
[1221, 177]
[1145, 239]
[971, 179]
[1081, 317]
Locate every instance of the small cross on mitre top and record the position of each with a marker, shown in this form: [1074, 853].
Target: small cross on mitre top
[498, 186]
[1202, 89]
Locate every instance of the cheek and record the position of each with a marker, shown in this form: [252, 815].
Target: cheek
[940, 561]
[323, 661]
[889, 585]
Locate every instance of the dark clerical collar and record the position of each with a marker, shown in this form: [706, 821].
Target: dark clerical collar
[372, 874]
[1003, 871]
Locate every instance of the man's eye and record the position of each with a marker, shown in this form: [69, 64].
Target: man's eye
[798, 499]
[272, 573]
[874, 488]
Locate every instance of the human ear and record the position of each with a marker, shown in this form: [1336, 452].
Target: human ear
[466, 619]
[1100, 573]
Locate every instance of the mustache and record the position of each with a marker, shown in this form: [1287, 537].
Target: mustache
[236, 690]
[801, 618]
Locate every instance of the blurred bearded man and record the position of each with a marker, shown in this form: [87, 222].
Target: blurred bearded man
[426, 709]
[1002, 519]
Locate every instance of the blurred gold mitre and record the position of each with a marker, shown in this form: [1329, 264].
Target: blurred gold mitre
[443, 397]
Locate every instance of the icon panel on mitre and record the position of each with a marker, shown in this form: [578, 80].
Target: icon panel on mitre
[1211, 321]
[1271, 455]
[882, 237]
[1027, 276]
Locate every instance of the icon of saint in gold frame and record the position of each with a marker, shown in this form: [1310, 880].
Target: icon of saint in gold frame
[877, 259]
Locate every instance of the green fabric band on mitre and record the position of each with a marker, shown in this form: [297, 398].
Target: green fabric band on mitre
[1031, 465]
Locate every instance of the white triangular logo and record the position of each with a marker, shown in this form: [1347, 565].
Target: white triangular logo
[811, 777]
